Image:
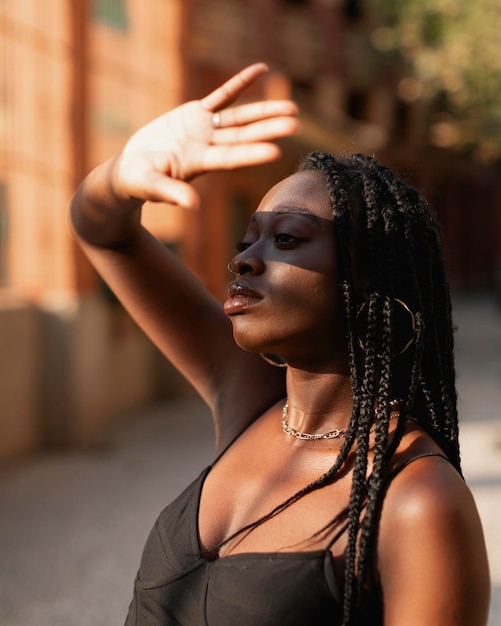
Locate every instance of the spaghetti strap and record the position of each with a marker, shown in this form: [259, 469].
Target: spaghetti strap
[407, 462]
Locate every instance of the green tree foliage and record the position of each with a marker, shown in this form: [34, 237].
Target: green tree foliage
[452, 52]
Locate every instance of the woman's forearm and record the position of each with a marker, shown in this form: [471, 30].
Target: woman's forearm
[99, 216]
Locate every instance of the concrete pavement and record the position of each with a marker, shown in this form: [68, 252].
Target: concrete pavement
[72, 524]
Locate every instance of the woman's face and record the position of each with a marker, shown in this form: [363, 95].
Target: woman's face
[286, 298]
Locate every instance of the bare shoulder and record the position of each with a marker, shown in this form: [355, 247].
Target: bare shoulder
[426, 487]
[432, 558]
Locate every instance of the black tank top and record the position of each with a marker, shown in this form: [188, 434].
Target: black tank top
[177, 586]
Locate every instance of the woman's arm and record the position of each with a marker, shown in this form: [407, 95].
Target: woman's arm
[431, 553]
[157, 163]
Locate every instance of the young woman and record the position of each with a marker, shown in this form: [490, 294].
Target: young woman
[336, 495]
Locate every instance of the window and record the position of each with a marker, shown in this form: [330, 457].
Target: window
[113, 13]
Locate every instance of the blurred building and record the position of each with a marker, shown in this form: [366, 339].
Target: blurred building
[77, 77]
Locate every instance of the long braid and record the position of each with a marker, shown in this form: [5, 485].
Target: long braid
[438, 304]
[445, 342]
[376, 480]
[380, 223]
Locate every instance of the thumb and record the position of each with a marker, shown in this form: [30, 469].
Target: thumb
[162, 188]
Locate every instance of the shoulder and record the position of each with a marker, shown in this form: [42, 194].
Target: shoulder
[428, 510]
[422, 486]
[431, 542]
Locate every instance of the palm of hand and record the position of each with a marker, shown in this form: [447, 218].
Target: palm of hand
[175, 144]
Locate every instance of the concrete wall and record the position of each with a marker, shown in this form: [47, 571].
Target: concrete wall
[19, 370]
[70, 371]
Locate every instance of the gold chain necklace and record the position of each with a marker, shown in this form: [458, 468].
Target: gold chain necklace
[337, 433]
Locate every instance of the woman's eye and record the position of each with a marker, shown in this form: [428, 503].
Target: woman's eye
[280, 239]
[284, 239]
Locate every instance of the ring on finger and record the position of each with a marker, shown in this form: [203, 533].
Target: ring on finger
[216, 120]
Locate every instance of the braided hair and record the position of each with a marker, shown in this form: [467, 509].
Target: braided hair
[384, 229]
[384, 232]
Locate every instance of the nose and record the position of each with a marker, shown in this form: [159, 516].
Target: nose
[246, 263]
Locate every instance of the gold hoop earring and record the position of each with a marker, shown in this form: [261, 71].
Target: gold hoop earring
[406, 344]
[273, 359]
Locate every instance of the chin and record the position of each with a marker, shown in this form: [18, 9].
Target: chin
[251, 344]
[247, 345]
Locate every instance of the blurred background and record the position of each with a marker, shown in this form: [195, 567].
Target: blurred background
[414, 82]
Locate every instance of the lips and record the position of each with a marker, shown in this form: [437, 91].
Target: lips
[240, 298]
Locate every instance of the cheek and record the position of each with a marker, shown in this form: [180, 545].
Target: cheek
[307, 302]
[313, 289]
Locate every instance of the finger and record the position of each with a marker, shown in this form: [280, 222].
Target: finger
[229, 91]
[234, 157]
[264, 130]
[248, 113]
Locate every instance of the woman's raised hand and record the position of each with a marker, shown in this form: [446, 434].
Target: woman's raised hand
[202, 136]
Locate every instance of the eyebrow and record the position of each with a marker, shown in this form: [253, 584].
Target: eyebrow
[295, 210]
